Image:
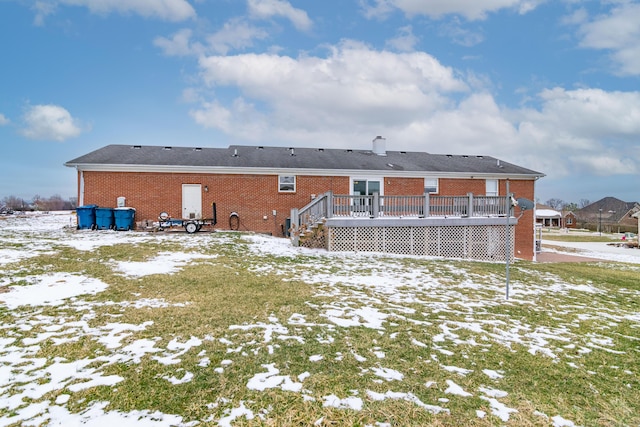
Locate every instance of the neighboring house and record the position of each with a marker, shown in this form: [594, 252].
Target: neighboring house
[548, 217]
[568, 219]
[608, 214]
[261, 185]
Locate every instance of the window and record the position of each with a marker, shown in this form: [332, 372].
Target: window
[431, 185]
[287, 183]
[366, 187]
[569, 220]
[491, 187]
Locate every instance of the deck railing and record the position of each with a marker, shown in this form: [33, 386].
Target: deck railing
[328, 205]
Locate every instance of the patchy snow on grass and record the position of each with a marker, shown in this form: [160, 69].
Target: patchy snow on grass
[388, 374]
[163, 263]
[50, 289]
[410, 397]
[456, 389]
[371, 291]
[334, 401]
[270, 379]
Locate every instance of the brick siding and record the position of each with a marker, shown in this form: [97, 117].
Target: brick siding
[254, 197]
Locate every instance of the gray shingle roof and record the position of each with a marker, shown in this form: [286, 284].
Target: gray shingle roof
[258, 157]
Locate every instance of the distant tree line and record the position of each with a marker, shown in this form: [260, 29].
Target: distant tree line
[561, 205]
[38, 203]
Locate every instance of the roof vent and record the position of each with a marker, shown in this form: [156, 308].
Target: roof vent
[137, 147]
[260, 147]
[293, 152]
[380, 146]
[321, 150]
[167, 148]
[197, 149]
[235, 152]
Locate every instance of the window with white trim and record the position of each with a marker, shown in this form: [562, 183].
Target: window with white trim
[491, 187]
[431, 186]
[287, 183]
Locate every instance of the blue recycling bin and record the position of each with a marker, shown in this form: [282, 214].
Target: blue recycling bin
[104, 218]
[123, 218]
[86, 217]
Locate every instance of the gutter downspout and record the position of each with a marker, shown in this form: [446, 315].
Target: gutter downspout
[81, 195]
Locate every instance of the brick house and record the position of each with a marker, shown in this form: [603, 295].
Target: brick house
[261, 184]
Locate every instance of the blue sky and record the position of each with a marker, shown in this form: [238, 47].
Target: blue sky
[552, 85]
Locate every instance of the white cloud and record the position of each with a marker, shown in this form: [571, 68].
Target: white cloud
[42, 10]
[454, 30]
[470, 9]
[236, 34]
[50, 122]
[3, 120]
[265, 9]
[618, 32]
[179, 44]
[354, 84]
[585, 130]
[168, 10]
[355, 93]
[405, 41]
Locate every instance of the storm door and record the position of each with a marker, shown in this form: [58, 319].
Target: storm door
[191, 201]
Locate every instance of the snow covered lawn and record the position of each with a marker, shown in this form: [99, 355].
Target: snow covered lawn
[155, 329]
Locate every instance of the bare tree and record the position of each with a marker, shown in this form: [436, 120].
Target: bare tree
[14, 203]
[555, 203]
[584, 203]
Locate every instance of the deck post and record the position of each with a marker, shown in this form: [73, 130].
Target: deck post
[375, 208]
[329, 196]
[295, 227]
[426, 205]
[470, 208]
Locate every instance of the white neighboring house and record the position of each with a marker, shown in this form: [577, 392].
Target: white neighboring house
[547, 217]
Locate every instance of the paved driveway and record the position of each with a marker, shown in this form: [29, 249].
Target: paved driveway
[554, 251]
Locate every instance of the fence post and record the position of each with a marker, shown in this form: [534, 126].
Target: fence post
[329, 196]
[470, 208]
[375, 208]
[295, 227]
[426, 205]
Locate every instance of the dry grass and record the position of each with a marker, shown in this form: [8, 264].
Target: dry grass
[243, 307]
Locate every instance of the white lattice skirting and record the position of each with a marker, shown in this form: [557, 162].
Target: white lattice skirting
[478, 242]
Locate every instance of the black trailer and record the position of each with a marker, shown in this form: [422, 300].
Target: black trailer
[191, 225]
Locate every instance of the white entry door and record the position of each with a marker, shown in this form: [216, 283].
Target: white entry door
[191, 201]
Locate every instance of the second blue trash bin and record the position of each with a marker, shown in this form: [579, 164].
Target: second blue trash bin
[86, 217]
[123, 218]
[104, 218]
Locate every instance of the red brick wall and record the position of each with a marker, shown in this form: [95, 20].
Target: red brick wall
[253, 197]
[403, 186]
[525, 233]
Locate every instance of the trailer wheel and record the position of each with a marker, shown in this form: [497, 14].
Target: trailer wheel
[191, 227]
